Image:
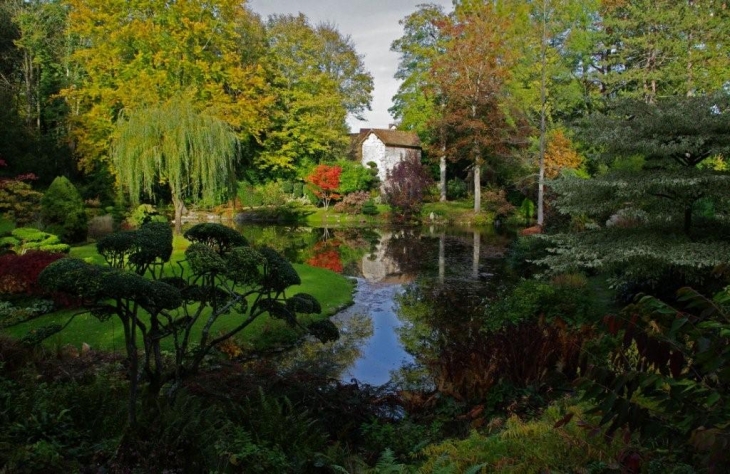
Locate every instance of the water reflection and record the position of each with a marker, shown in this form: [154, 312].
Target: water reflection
[415, 291]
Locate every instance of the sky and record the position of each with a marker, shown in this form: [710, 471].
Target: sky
[372, 25]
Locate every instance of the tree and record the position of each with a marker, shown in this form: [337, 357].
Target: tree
[226, 280]
[141, 55]
[318, 79]
[417, 102]
[664, 48]
[479, 122]
[662, 223]
[191, 152]
[326, 182]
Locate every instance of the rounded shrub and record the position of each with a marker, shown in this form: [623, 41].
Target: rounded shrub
[62, 211]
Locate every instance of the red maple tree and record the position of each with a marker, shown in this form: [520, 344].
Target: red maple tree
[325, 181]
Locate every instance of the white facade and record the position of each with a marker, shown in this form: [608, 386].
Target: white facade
[386, 157]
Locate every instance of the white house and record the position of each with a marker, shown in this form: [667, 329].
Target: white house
[384, 147]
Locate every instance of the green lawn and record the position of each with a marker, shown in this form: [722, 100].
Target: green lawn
[332, 290]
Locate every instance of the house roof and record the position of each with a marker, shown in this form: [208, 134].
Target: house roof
[393, 138]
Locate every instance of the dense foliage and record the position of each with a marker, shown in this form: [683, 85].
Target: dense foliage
[62, 211]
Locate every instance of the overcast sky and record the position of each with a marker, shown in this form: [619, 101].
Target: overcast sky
[372, 25]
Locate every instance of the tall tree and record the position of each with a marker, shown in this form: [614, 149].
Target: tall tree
[471, 75]
[318, 79]
[416, 104]
[664, 47]
[191, 152]
[140, 54]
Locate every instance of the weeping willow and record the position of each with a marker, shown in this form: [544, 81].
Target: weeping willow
[190, 152]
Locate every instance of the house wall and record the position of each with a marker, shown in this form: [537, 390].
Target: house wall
[386, 157]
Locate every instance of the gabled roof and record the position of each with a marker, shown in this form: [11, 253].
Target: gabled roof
[392, 138]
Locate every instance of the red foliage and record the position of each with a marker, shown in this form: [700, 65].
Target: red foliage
[327, 256]
[19, 273]
[325, 180]
[406, 187]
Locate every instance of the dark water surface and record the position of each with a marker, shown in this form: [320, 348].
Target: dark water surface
[403, 276]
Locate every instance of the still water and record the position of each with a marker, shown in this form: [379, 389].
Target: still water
[381, 340]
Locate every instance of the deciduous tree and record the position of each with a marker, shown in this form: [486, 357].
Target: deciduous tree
[173, 144]
[479, 121]
[326, 182]
[141, 54]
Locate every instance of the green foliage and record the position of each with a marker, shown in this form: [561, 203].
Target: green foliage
[18, 201]
[268, 194]
[354, 177]
[146, 249]
[62, 211]
[145, 213]
[547, 443]
[456, 189]
[150, 149]
[221, 275]
[220, 238]
[27, 238]
[369, 208]
[566, 298]
[673, 389]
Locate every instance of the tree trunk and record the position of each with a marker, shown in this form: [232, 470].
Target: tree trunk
[442, 176]
[543, 113]
[179, 209]
[477, 188]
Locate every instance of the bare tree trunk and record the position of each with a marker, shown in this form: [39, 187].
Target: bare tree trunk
[543, 112]
[179, 209]
[477, 187]
[442, 178]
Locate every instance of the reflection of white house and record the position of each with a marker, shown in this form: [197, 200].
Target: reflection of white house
[384, 147]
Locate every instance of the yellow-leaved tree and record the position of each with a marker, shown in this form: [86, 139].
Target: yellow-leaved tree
[136, 54]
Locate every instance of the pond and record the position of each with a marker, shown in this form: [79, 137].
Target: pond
[405, 277]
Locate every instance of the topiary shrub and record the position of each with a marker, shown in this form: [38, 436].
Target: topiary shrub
[220, 238]
[369, 208]
[24, 239]
[62, 211]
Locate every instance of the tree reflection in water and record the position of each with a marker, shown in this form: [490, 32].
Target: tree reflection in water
[418, 308]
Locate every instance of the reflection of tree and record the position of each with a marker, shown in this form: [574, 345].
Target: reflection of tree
[411, 253]
[444, 330]
[326, 255]
[333, 358]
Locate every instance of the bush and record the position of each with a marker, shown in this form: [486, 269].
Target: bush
[369, 208]
[268, 194]
[456, 189]
[352, 203]
[145, 213]
[354, 177]
[19, 273]
[62, 211]
[23, 239]
[405, 188]
[18, 201]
